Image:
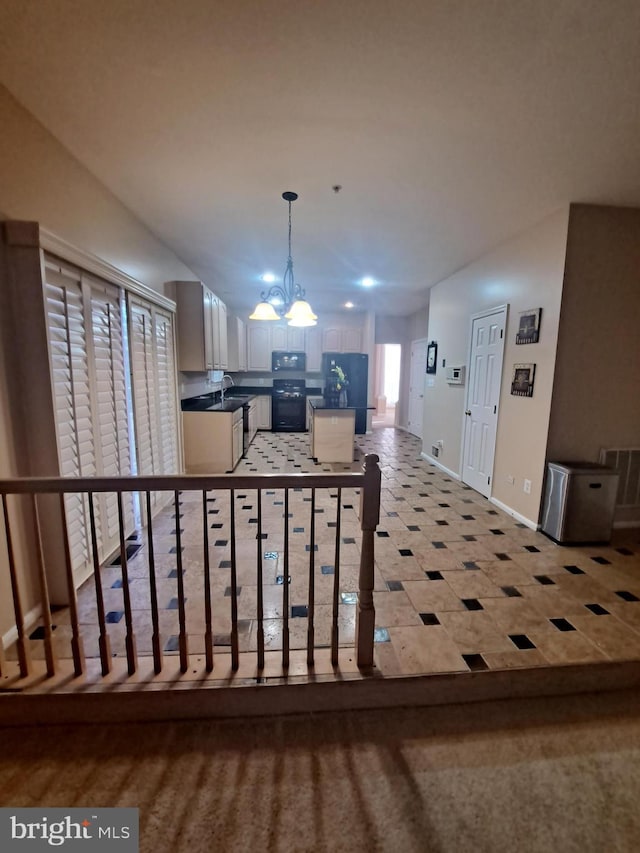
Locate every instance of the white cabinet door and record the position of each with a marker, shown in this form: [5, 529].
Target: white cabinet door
[259, 347]
[264, 412]
[295, 339]
[237, 441]
[280, 338]
[222, 351]
[195, 323]
[332, 340]
[313, 349]
[351, 340]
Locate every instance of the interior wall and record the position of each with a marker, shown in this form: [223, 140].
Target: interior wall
[524, 272]
[596, 394]
[41, 181]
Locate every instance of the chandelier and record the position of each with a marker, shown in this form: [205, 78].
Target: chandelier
[286, 299]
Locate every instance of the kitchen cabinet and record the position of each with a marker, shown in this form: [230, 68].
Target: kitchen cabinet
[259, 347]
[311, 400]
[332, 434]
[284, 337]
[264, 411]
[313, 349]
[236, 344]
[253, 418]
[202, 328]
[212, 441]
[342, 339]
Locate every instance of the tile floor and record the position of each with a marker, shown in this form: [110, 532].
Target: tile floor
[459, 585]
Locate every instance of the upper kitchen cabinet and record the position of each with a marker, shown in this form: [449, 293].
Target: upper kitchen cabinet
[259, 346]
[287, 338]
[201, 316]
[313, 348]
[237, 344]
[346, 339]
[195, 326]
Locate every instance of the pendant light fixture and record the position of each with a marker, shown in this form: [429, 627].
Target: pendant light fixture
[285, 300]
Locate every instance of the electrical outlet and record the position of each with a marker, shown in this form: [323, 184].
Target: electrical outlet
[527, 486]
[511, 479]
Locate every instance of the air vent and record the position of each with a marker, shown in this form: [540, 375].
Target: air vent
[435, 450]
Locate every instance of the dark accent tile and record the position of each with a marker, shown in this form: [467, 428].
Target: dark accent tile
[247, 506]
[434, 575]
[491, 512]
[394, 586]
[429, 619]
[503, 557]
[626, 552]
[173, 604]
[172, 644]
[469, 538]
[308, 547]
[470, 564]
[227, 592]
[511, 591]
[497, 532]
[413, 528]
[298, 529]
[221, 542]
[38, 633]
[224, 564]
[521, 641]
[532, 549]
[174, 550]
[602, 561]
[130, 551]
[118, 584]
[626, 596]
[216, 526]
[299, 610]
[383, 534]
[545, 580]
[348, 506]
[574, 570]
[476, 663]
[405, 552]
[562, 624]
[331, 524]
[438, 545]
[392, 514]
[113, 617]
[418, 509]
[327, 570]
[213, 512]
[442, 522]
[472, 604]
[468, 517]
[598, 609]
[348, 540]
[444, 506]
[174, 573]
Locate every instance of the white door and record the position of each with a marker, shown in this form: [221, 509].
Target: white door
[416, 386]
[483, 396]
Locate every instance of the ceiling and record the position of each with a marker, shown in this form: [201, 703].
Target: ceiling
[449, 125]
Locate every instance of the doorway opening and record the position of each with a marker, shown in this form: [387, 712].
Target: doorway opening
[387, 384]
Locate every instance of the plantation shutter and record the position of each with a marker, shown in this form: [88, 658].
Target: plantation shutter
[71, 388]
[166, 393]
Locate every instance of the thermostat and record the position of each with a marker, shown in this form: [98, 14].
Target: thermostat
[455, 375]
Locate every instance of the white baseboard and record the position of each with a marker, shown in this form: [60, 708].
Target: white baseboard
[521, 518]
[30, 619]
[439, 465]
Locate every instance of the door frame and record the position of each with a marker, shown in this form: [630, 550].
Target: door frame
[411, 346]
[478, 316]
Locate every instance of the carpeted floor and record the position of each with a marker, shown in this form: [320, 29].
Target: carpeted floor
[535, 775]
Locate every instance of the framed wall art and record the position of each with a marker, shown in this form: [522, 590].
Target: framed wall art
[529, 326]
[523, 379]
[432, 356]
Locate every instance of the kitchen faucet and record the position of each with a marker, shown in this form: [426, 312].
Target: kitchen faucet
[230, 378]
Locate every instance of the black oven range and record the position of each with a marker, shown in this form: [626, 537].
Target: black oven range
[288, 405]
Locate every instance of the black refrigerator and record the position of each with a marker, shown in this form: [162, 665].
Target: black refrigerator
[356, 369]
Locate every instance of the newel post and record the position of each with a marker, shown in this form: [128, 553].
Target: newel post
[369, 519]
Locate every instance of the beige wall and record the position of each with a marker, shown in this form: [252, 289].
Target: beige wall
[41, 181]
[525, 272]
[596, 394]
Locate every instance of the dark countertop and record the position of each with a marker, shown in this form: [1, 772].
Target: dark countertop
[234, 398]
[321, 404]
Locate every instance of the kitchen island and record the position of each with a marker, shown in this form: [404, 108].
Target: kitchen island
[332, 431]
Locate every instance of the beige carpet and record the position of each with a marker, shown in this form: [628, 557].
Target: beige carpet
[535, 775]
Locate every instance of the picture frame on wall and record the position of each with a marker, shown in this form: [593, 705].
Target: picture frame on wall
[529, 326]
[522, 380]
[432, 357]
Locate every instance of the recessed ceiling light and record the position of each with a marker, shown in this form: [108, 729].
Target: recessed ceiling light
[367, 281]
[348, 305]
[269, 277]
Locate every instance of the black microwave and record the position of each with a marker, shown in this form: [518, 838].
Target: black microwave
[288, 360]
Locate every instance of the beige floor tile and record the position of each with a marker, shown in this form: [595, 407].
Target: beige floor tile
[430, 596]
[472, 584]
[517, 659]
[426, 649]
[515, 615]
[394, 609]
[608, 633]
[566, 646]
[475, 631]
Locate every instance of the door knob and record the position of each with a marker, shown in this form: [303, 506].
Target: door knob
[468, 412]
